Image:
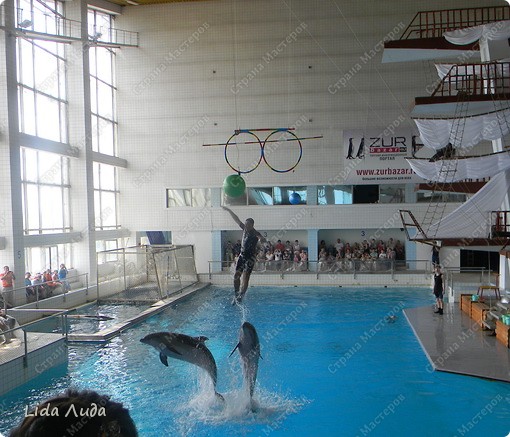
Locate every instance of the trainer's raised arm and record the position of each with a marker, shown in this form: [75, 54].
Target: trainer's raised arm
[234, 216]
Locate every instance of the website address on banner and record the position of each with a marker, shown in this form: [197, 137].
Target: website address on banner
[385, 172]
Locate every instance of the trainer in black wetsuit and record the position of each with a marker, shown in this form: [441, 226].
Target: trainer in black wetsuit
[438, 289]
[248, 255]
[246, 260]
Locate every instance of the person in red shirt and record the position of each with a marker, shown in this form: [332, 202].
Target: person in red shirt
[279, 246]
[7, 278]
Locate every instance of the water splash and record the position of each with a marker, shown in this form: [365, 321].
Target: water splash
[242, 413]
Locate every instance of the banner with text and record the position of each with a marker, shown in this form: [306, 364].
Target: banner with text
[378, 156]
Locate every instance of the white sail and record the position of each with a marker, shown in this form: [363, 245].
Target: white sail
[462, 168]
[437, 133]
[497, 30]
[472, 218]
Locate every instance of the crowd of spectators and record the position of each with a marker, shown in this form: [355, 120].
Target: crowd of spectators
[278, 256]
[365, 255]
[44, 284]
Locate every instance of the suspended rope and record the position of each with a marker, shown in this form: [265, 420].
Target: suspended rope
[436, 207]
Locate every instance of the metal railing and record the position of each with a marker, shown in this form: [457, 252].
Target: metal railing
[145, 272]
[482, 79]
[38, 292]
[456, 276]
[28, 327]
[433, 24]
[499, 224]
[320, 268]
[44, 24]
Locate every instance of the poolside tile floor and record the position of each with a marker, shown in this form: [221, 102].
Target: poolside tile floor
[455, 343]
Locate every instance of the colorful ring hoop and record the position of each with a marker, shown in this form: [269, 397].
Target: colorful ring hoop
[300, 152]
[237, 170]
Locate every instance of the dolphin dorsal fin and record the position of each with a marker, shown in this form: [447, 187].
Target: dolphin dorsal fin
[201, 339]
[233, 350]
[163, 358]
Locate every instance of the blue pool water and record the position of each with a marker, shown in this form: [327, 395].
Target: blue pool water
[331, 365]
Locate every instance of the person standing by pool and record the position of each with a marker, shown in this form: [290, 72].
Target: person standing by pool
[247, 257]
[438, 289]
[7, 278]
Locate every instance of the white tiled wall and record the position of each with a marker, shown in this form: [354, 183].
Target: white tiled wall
[14, 373]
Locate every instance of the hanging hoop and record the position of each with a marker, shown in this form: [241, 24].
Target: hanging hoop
[295, 139]
[229, 143]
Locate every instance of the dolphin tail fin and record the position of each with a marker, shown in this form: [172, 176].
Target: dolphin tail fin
[163, 359]
[219, 396]
[234, 350]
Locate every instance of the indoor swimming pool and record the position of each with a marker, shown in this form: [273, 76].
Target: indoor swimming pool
[334, 362]
[91, 318]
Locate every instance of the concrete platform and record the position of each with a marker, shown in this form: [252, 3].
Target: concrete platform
[109, 333]
[454, 343]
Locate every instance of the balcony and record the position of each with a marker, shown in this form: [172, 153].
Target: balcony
[423, 38]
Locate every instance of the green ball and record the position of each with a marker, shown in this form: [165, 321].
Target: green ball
[234, 185]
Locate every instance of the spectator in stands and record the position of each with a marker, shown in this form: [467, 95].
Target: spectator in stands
[29, 290]
[270, 260]
[277, 259]
[322, 245]
[105, 417]
[49, 283]
[7, 278]
[287, 258]
[339, 247]
[296, 246]
[304, 260]
[288, 246]
[279, 246]
[229, 252]
[62, 277]
[38, 286]
[323, 260]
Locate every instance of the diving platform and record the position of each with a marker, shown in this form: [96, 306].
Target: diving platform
[455, 343]
[498, 236]
[466, 90]
[423, 39]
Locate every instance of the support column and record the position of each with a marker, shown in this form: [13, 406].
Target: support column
[313, 247]
[217, 251]
[504, 272]
[17, 255]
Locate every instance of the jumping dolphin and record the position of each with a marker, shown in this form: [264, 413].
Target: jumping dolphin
[249, 349]
[185, 348]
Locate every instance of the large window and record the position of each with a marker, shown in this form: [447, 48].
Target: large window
[103, 245]
[197, 197]
[102, 87]
[268, 196]
[45, 184]
[334, 194]
[105, 196]
[38, 259]
[42, 89]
